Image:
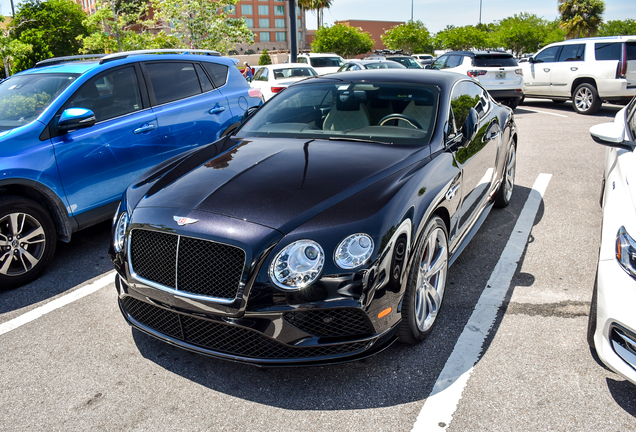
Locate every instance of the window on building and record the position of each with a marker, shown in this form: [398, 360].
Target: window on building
[263, 22]
[246, 9]
[249, 22]
[264, 36]
[300, 23]
[263, 10]
[230, 9]
[297, 11]
[279, 10]
[300, 36]
[280, 36]
[279, 22]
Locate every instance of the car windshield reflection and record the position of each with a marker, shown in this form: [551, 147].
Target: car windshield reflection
[392, 113]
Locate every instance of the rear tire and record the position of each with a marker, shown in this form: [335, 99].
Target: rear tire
[27, 240]
[426, 283]
[585, 99]
[504, 193]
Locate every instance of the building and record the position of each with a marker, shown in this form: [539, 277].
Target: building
[269, 21]
[374, 28]
[88, 5]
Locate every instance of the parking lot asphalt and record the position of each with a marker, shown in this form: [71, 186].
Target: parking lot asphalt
[81, 367]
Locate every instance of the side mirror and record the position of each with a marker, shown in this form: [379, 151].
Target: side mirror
[471, 125]
[612, 135]
[248, 112]
[428, 66]
[76, 118]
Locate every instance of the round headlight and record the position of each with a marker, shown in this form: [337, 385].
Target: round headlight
[120, 231]
[297, 265]
[353, 251]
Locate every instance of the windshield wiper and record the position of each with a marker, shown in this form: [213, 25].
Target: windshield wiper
[357, 140]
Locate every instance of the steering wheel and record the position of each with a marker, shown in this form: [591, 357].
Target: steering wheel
[407, 119]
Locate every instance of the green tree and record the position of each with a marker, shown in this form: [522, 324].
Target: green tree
[523, 33]
[318, 6]
[202, 24]
[581, 18]
[264, 59]
[463, 38]
[50, 27]
[554, 33]
[121, 26]
[343, 40]
[11, 49]
[412, 37]
[618, 28]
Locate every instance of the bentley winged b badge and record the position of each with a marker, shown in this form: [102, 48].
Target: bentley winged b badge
[184, 220]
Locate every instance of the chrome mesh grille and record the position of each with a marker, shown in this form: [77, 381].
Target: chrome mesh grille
[330, 322]
[187, 264]
[226, 338]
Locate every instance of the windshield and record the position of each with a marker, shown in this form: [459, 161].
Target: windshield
[24, 97]
[384, 65]
[326, 61]
[409, 62]
[395, 113]
[293, 72]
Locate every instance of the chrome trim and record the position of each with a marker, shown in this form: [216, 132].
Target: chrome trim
[627, 352]
[175, 291]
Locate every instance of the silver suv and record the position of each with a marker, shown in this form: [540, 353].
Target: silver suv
[587, 71]
[497, 71]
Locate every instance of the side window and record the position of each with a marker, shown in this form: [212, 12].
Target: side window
[258, 74]
[354, 67]
[572, 53]
[264, 74]
[173, 81]
[217, 72]
[109, 95]
[466, 95]
[453, 61]
[548, 55]
[302, 60]
[206, 85]
[608, 51]
[439, 63]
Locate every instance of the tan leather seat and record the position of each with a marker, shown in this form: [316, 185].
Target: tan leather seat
[348, 113]
[423, 114]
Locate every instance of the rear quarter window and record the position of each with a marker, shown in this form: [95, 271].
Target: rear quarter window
[631, 50]
[494, 61]
[608, 51]
[217, 72]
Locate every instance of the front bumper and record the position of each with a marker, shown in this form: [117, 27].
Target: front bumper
[284, 338]
[615, 335]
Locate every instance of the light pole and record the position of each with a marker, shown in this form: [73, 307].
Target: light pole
[411, 10]
[479, 25]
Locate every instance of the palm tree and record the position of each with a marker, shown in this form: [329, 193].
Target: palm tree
[318, 6]
[581, 18]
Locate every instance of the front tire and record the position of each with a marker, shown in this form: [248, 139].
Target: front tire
[585, 99]
[27, 240]
[426, 283]
[504, 194]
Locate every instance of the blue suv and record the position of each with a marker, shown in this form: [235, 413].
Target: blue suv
[75, 132]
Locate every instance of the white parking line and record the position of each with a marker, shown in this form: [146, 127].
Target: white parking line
[543, 112]
[438, 410]
[57, 303]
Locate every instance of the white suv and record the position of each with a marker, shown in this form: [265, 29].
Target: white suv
[586, 71]
[322, 63]
[497, 71]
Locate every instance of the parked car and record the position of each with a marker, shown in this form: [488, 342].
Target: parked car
[75, 132]
[272, 79]
[497, 71]
[323, 63]
[612, 322]
[406, 61]
[587, 71]
[330, 216]
[352, 65]
[424, 59]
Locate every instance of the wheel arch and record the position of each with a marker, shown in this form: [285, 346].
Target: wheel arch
[582, 80]
[64, 226]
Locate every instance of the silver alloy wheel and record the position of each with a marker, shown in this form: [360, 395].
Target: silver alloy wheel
[22, 243]
[583, 99]
[509, 180]
[431, 279]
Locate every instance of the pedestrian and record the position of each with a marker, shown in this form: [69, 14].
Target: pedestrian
[247, 72]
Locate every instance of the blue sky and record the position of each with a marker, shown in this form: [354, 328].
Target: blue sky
[437, 14]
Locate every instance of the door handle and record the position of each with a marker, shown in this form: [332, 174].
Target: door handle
[217, 110]
[546, 70]
[574, 69]
[144, 128]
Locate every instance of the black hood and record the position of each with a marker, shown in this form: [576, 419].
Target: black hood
[276, 182]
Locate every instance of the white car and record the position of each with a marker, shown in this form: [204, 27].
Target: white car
[587, 71]
[612, 321]
[424, 59]
[271, 79]
[497, 71]
[323, 63]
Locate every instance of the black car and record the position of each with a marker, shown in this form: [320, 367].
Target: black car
[322, 228]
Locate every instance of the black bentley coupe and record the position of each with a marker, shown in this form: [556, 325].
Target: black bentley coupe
[321, 228]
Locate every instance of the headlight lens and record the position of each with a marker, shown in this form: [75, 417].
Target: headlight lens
[354, 251]
[297, 265]
[626, 251]
[120, 231]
